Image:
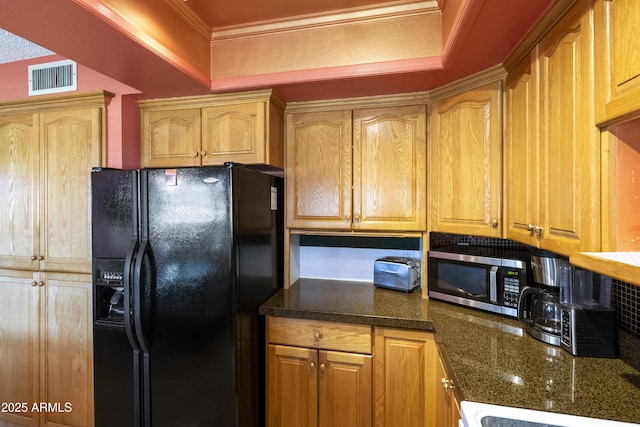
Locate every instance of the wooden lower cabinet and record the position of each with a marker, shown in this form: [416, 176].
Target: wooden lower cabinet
[46, 357]
[405, 378]
[318, 374]
[309, 387]
[340, 374]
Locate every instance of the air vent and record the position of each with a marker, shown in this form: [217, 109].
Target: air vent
[52, 77]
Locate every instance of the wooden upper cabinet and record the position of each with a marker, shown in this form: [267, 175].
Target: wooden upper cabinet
[617, 49]
[47, 150]
[389, 168]
[465, 155]
[71, 145]
[19, 161]
[569, 150]
[171, 138]
[521, 154]
[362, 169]
[552, 143]
[318, 170]
[206, 130]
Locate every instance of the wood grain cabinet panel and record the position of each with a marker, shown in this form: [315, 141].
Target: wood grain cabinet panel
[48, 147]
[465, 169]
[318, 170]
[404, 378]
[569, 153]
[19, 160]
[389, 168]
[310, 386]
[19, 345]
[553, 149]
[361, 169]
[171, 138]
[617, 49]
[244, 127]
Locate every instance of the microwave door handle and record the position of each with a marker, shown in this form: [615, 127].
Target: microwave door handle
[493, 284]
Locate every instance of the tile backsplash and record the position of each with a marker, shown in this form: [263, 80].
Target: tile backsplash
[626, 296]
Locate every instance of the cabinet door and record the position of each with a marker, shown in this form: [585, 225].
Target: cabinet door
[346, 391]
[318, 170]
[19, 346]
[292, 386]
[617, 43]
[466, 163]
[404, 383]
[521, 154]
[71, 144]
[67, 355]
[19, 245]
[171, 138]
[569, 148]
[234, 133]
[389, 169]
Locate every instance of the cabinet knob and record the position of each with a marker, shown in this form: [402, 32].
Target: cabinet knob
[494, 223]
[312, 365]
[34, 283]
[203, 153]
[194, 154]
[40, 283]
[347, 219]
[322, 366]
[33, 257]
[356, 219]
[317, 335]
[445, 383]
[530, 228]
[41, 257]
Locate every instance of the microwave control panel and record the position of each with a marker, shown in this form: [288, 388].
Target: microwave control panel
[511, 287]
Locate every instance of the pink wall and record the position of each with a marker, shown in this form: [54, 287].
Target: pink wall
[123, 116]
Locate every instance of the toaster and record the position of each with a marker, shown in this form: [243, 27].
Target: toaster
[397, 273]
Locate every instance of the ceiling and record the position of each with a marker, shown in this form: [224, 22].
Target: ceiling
[93, 35]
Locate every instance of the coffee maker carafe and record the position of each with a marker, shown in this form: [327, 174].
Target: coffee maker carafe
[588, 320]
[539, 306]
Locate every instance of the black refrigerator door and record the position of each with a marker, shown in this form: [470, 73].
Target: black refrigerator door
[116, 362]
[187, 282]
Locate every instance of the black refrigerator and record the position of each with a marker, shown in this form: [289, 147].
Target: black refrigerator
[182, 258]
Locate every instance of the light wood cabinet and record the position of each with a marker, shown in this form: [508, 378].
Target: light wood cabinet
[46, 348]
[617, 50]
[405, 378]
[315, 374]
[564, 166]
[48, 147]
[465, 162]
[207, 130]
[46, 156]
[361, 169]
[447, 396]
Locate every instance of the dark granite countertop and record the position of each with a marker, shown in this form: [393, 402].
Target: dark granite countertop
[494, 360]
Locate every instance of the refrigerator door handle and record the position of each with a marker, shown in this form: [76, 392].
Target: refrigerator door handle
[128, 321]
[138, 296]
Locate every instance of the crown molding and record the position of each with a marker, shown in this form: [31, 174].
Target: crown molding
[340, 17]
[190, 17]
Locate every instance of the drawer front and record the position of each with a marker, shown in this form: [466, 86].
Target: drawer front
[320, 334]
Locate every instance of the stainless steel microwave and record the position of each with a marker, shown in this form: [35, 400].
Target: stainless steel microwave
[488, 279]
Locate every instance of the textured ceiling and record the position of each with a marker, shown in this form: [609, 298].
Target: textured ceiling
[14, 48]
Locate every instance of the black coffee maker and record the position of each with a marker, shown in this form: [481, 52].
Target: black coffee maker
[539, 306]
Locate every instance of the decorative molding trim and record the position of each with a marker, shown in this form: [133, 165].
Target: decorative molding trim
[490, 75]
[555, 12]
[328, 74]
[190, 17]
[341, 17]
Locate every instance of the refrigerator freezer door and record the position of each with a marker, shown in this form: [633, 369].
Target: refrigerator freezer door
[188, 309]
